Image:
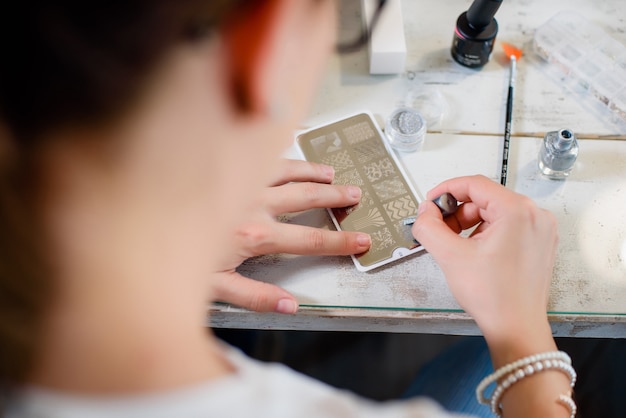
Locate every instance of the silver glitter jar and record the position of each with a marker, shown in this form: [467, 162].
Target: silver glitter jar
[405, 129]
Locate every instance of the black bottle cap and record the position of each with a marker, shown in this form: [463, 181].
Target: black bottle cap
[472, 46]
[481, 13]
[468, 32]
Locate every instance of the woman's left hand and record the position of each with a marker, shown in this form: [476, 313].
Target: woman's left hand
[299, 186]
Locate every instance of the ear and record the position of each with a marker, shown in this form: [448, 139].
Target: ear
[248, 38]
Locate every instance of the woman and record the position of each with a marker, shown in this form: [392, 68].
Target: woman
[138, 141]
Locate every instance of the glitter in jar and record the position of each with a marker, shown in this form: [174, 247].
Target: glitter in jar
[405, 129]
[407, 122]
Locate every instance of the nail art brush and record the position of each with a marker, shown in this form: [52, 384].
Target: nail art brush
[514, 54]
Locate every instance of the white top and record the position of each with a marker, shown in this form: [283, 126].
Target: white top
[256, 389]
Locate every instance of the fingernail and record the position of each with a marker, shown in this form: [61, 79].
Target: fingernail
[420, 209]
[329, 171]
[354, 192]
[287, 306]
[363, 240]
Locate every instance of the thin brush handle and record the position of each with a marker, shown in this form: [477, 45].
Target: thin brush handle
[507, 127]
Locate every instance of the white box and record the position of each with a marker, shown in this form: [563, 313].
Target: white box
[387, 46]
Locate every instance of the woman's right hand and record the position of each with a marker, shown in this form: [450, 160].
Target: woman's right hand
[299, 186]
[500, 274]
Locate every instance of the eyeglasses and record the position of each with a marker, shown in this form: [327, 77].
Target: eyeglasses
[365, 33]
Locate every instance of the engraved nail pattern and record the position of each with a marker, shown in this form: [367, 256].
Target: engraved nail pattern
[326, 144]
[339, 160]
[388, 189]
[350, 177]
[379, 169]
[383, 238]
[369, 150]
[372, 218]
[358, 132]
[357, 152]
[400, 208]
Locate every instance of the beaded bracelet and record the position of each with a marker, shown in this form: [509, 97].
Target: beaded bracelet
[567, 401]
[523, 362]
[529, 370]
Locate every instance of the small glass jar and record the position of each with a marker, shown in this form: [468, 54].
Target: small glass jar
[558, 153]
[405, 129]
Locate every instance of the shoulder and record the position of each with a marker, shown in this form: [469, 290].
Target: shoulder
[255, 389]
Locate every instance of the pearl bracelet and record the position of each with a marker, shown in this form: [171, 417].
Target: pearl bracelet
[528, 370]
[523, 362]
[567, 401]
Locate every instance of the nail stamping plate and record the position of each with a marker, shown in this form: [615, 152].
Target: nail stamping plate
[355, 147]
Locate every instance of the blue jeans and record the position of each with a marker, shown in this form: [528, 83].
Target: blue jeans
[451, 377]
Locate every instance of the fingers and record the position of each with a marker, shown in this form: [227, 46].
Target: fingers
[477, 189]
[466, 216]
[295, 197]
[298, 239]
[482, 191]
[433, 233]
[298, 170]
[254, 295]
[500, 274]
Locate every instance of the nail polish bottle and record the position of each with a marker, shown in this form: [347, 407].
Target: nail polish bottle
[558, 154]
[475, 33]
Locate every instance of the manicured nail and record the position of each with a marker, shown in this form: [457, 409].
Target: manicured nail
[286, 306]
[354, 192]
[363, 240]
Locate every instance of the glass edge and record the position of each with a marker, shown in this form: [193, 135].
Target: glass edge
[433, 310]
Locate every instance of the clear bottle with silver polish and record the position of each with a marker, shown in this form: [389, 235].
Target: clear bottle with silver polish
[558, 154]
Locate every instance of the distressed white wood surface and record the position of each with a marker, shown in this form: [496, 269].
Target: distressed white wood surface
[476, 98]
[590, 274]
[588, 295]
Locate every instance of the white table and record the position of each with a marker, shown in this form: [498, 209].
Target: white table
[588, 295]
